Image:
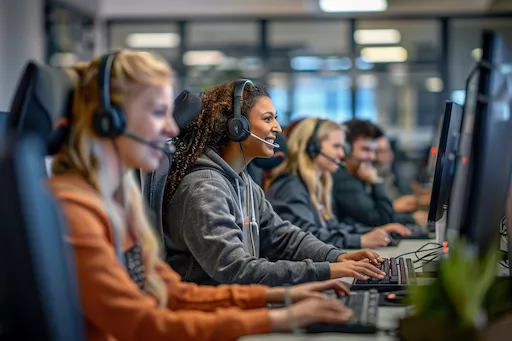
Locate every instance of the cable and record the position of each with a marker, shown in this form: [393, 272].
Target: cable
[421, 249]
[431, 254]
[427, 261]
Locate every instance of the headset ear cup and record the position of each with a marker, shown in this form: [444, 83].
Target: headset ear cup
[347, 148]
[238, 129]
[313, 148]
[119, 119]
[109, 124]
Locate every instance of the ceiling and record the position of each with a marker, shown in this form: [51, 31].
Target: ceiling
[268, 8]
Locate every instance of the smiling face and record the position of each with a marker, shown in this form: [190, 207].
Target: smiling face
[149, 116]
[263, 123]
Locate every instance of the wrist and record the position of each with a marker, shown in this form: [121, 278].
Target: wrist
[363, 241]
[275, 295]
[341, 258]
[279, 320]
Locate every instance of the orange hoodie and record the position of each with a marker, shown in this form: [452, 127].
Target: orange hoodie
[116, 309]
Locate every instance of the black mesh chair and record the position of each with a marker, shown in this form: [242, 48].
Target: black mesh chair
[187, 106]
[41, 105]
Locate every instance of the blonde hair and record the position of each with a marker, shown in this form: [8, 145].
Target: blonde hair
[298, 162]
[81, 154]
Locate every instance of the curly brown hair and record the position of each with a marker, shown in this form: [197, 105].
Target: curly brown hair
[208, 129]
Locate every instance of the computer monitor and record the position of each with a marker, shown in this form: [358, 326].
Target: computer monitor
[3, 124]
[446, 151]
[484, 164]
[430, 166]
[38, 289]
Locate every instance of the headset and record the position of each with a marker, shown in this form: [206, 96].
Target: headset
[109, 120]
[314, 146]
[347, 148]
[238, 128]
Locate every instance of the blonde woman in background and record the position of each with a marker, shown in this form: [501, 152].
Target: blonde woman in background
[301, 187]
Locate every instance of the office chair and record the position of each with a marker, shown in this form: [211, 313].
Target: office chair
[187, 106]
[41, 104]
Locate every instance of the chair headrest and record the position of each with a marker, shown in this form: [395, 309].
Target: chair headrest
[279, 155]
[41, 103]
[187, 107]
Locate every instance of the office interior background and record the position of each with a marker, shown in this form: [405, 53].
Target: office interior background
[394, 62]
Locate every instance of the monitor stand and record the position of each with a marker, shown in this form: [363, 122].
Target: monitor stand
[441, 228]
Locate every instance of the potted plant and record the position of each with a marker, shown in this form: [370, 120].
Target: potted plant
[465, 302]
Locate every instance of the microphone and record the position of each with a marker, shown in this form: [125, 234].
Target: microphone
[339, 164]
[168, 149]
[275, 145]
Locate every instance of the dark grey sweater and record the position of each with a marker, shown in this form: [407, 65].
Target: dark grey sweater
[290, 198]
[211, 240]
[357, 202]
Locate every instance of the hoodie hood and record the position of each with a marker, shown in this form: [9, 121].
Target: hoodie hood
[210, 159]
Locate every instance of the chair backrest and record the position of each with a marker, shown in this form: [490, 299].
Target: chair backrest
[39, 291]
[187, 106]
[42, 101]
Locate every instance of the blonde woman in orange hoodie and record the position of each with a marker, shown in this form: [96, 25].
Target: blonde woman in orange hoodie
[127, 292]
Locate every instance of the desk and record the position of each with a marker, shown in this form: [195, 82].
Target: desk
[388, 316]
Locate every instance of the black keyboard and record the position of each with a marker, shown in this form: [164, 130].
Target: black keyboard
[399, 273]
[365, 307]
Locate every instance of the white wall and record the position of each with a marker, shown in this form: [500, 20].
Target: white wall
[21, 39]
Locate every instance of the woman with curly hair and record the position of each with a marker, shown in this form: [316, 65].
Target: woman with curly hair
[220, 228]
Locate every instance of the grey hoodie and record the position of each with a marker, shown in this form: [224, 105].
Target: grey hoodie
[208, 243]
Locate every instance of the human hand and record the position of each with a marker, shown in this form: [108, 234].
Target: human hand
[366, 255]
[395, 228]
[311, 310]
[406, 203]
[376, 238]
[302, 292]
[356, 269]
[367, 173]
[421, 218]
[424, 198]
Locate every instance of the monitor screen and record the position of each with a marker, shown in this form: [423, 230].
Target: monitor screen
[484, 163]
[446, 152]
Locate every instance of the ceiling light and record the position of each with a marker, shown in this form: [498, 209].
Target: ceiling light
[394, 54]
[353, 5]
[384, 36]
[476, 54]
[152, 40]
[202, 58]
[434, 84]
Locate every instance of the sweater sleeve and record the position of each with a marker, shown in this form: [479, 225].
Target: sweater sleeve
[183, 295]
[114, 304]
[296, 209]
